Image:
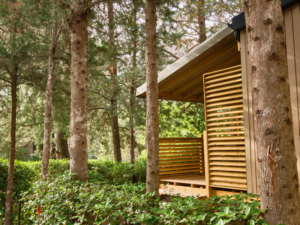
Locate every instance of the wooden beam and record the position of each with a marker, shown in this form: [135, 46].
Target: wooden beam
[205, 62]
[246, 112]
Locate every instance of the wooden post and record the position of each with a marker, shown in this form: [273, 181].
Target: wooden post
[202, 156]
[206, 162]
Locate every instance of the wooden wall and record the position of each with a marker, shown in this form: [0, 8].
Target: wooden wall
[225, 144]
[292, 29]
[180, 156]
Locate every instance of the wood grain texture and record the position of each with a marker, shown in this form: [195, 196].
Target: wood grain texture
[225, 129]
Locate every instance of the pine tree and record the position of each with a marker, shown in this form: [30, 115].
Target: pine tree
[277, 162]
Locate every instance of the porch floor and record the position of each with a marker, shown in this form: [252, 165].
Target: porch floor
[184, 184]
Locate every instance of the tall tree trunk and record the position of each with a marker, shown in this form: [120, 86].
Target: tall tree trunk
[12, 153]
[278, 176]
[152, 119]
[114, 84]
[132, 87]
[131, 105]
[201, 21]
[79, 79]
[48, 101]
[61, 145]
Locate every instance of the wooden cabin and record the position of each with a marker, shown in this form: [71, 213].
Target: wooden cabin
[216, 73]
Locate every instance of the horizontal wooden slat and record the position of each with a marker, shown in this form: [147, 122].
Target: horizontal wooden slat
[228, 87]
[226, 133]
[221, 118]
[179, 149]
[178, 164]
[225, 138]
[241, 153]
[224, 113]
[228, 179]
[227, 158]
[224, 108]
[224, 83]
[224, 98]
[226, 148]
[231, 174]
[228, 185]
[225, 123]
[181, 171]
[179, 153]
[179, 142]
[226, 143]
[225, 168]
[221, 71]
[221, 163]
[181, 160]
[178, 157]
[178, 168]
[179, 146]
[207, 77]
[217, 80]
[179, 139]
[237, 101]
[225, 128]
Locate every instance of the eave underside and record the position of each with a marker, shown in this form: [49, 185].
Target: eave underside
[183, 80]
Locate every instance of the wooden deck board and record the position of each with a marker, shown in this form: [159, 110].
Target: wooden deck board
[185, 179]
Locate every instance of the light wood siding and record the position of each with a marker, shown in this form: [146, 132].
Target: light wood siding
[180, 156]
[292, 31]
[252, 176]
[225, 128]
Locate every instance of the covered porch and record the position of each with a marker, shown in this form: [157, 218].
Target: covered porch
[215, 162]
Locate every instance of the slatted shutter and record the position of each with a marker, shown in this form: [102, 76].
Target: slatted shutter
[225, 128]
[180, 156]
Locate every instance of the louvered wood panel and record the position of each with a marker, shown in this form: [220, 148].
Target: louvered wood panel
[180, 156]
[225, 128]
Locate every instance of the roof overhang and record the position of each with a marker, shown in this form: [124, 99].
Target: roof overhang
[239, 23]
[183, 80]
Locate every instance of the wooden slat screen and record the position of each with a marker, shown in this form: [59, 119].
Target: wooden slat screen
[180, 156]
[225, 128]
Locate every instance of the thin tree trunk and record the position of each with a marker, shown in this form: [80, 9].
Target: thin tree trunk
[152, 119]
[278, 176]
[79, 79]
[113, 101]
[61, 145]
[10, 179]
[201, 21]
[48, 102]
[131, 103]
[132, 88]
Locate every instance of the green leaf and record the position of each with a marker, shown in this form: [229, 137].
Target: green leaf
[247, 211]
[252, 222]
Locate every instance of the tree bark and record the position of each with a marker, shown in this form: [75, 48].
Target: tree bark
[132, 87]
[48, 101]
[12, 153]
[79, 78]
[131, 105]
[61, 145]
[152, 119]
[278, 176]
[201, 21]
[114, 84]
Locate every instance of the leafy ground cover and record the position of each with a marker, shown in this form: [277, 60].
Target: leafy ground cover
[110, 197]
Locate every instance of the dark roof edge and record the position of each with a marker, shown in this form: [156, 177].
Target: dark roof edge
[239, 24]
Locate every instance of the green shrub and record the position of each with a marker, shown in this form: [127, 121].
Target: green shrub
[26, 173]
[64, 200]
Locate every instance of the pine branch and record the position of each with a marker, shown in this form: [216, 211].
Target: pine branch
[170, 53]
